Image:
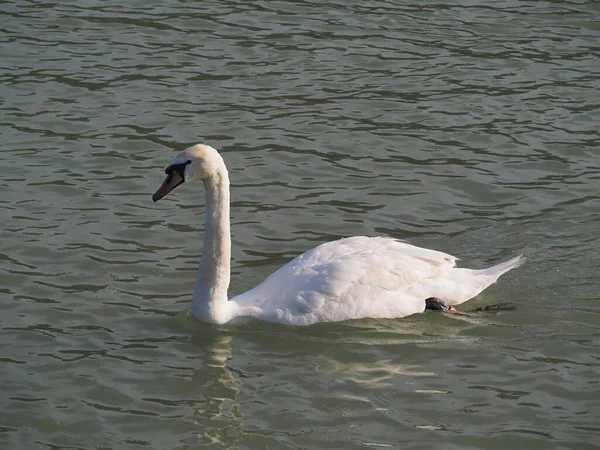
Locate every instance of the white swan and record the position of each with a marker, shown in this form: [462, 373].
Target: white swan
[350, 278]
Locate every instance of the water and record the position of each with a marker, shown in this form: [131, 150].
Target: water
[468, 128]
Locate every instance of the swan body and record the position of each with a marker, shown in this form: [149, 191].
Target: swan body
[350, 278]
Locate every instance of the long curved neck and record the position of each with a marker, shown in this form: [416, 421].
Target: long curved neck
[210, 294]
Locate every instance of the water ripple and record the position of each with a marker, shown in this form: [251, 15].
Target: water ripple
[467, 127]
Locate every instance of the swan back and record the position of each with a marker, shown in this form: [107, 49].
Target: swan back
[347, 279]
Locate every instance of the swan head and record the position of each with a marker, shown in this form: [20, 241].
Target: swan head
[199, 162]
[437, 304]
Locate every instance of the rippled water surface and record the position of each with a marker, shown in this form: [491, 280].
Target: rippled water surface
[468, 127]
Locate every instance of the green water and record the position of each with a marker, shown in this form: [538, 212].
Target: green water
[465, 127]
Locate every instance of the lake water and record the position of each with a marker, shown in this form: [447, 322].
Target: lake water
[467, 127]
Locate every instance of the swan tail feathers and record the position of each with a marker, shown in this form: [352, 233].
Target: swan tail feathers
[496, 271]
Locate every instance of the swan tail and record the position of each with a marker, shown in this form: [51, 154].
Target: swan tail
[464, 284]
[496, 271]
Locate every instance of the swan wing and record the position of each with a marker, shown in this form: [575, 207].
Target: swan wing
[353, 277]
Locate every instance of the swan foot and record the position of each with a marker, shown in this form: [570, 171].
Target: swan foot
[437, 304]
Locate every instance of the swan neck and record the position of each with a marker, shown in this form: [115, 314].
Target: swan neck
[210, 294]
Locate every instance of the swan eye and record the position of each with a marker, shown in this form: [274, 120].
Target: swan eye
[180, 168]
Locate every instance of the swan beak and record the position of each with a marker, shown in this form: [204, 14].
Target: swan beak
[452, 309]
[173, 180]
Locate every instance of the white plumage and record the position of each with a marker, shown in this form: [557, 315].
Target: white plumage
[346, 279]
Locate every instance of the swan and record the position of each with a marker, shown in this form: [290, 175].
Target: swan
[351, 278]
